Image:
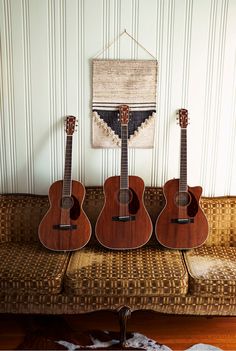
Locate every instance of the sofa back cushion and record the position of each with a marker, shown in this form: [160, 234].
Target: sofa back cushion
[20, 214]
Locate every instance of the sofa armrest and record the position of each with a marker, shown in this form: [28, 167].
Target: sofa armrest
[221, 215]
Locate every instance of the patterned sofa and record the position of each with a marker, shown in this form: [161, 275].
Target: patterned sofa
[35, 280]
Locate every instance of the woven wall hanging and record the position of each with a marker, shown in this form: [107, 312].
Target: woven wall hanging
[130, 82]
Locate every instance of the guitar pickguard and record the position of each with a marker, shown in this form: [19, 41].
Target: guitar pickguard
[192, 208]
[134, 204]
[75, 209]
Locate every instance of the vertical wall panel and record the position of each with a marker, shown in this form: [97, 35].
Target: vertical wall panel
[208, 136]
[81, 80]
[227, 128]
[166, 114]
[93, 29]
[8, 99]
[3, 164]
[197, 93]
[40, 90]
[47, 48]
[28, 97]
[52, 89]
[73, 80]
[218, 108]
[159, 16]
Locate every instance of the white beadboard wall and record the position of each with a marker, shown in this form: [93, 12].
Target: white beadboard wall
[45, 74]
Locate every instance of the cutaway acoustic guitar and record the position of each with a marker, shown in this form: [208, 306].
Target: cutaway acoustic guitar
[182, 223]
[65, 227]
[124, 222]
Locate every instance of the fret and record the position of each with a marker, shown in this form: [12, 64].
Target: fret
[124, 180]
[124, 120]
[183, 161]
[67, 169]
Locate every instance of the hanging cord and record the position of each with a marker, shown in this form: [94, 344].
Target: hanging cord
[117, 38]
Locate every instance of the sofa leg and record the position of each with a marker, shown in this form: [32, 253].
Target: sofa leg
[124, 313]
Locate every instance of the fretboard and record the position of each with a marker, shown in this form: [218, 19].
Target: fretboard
[183, 161]
[124, 180]
[67, 169]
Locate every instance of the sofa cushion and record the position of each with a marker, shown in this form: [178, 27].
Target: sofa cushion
[212, 271]
[29, 267]
[20, 215]
[221, 215]
[143, 272]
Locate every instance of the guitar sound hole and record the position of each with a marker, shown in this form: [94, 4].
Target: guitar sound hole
[125, 196]
[67, 202]
[182, 198]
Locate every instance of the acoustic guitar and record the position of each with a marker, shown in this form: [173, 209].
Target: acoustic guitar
[65, 227]
[182, 223]
[123, 222]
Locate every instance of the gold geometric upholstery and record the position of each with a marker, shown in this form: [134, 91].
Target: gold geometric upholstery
[71, 304]
[212, 271]
[221, 216]
[30, 268]
[20, 215]
[36, 280]
[147, 271]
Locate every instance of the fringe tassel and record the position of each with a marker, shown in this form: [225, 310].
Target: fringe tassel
[115, 138]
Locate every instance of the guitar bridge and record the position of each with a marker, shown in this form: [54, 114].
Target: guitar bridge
[65, 226]
[182, 220]
[123, 218]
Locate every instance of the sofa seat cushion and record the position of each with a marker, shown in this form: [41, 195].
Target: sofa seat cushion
[212, 271]
[29, 267]
[143, 272]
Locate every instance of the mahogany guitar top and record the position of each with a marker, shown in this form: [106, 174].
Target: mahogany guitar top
[65, 229]
[181, 226]
[123, 227]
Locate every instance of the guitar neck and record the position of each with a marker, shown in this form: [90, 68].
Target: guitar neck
[67, 170]
[124, 179]
[183, 161]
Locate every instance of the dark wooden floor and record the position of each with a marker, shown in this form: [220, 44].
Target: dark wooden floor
[177, 332]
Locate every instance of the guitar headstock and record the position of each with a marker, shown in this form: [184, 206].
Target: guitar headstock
[70, 125]
[183, 118]
[124, 114]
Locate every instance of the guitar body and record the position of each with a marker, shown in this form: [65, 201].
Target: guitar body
[65, 227]
[127, 230]
[182, 223]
